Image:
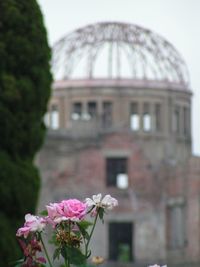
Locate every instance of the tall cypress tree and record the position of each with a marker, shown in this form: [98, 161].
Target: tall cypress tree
[25, 81]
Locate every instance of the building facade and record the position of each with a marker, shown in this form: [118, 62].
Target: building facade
[125, 131]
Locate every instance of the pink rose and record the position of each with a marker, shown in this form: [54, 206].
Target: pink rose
[32, 224]
[54, 213]
[71, 209]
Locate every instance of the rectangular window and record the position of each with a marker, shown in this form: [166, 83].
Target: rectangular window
[107, 114]
[54, 117]
[176, 226]
[134, 117]
[186, 121]
[185, 130]
[76, 111]
[120, 242]
[176, 120]
[146, 118]
[116, 172]
[158, 117]
[92, 109]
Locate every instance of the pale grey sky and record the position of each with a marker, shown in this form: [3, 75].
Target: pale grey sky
[176, 20]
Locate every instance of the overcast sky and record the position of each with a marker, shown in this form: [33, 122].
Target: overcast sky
[176, 20]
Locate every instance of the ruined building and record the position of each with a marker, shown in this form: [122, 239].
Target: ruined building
[120, 123]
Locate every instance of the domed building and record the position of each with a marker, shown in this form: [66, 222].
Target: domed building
[119, 123]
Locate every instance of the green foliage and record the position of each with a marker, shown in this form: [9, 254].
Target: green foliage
[25, 82]
[24, 77]
[73, 255]
[19, 185]
[8, 243]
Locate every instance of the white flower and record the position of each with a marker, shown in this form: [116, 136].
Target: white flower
[35, 223]
[32, 224]
[156, 265]
[107, 202]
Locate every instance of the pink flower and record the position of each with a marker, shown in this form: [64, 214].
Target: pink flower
[32, 224]
[54, 213]
[107, 202]
[71, 209]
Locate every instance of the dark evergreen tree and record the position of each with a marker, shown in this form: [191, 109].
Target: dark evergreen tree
[25, 82]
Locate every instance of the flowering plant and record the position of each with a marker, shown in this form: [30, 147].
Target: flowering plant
[71, 233]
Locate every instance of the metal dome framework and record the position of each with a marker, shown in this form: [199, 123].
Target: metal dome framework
[148, 55]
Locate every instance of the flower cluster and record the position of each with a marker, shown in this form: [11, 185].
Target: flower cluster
[71, 231]
[32, 224]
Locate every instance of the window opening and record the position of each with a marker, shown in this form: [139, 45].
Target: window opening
[120, 242]
[176, 120]
[116, 172]
[92, 109]
[158, 117]
[76, 111]
[186, 121]
[122, 181]
[107, 114]
[134, 117]
[146, 118]
[54, 117]
[185, 130]
[176, 226]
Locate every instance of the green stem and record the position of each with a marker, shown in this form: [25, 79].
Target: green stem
[67, 264]
[68, 260]
[95, 221]
[45, 251]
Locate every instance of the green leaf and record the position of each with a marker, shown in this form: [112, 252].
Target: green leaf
[44, 213]
[76, 257]
[85, 224]
[73, 255]
[83, 227]
[64, 252]
[101, 214]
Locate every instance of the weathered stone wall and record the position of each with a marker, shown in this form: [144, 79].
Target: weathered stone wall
[161, 172]
[76, 168]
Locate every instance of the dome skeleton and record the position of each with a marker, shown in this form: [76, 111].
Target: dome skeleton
[149, 56]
